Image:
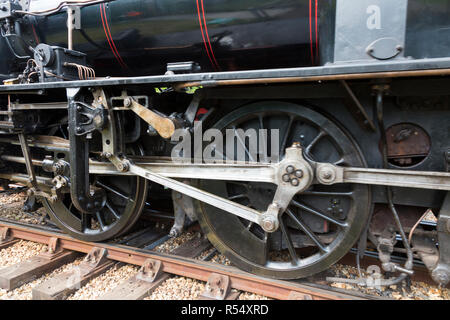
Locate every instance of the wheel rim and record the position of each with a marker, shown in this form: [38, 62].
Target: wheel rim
[301, 246]
[125, 199]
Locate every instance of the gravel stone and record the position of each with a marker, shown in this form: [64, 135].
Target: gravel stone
[19, 252]
[173, 243]
[105, 282]
[178, 288]
[24, 291]
[11, 208]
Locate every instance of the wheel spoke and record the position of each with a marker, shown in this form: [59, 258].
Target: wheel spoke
[250, 158]
[307, 231]
[320, 214]
[85, 221]
[286, 134]
[111, 209]
[100, 220]
[113, 190]
[238, 196]
[290, 245]
[250, 225]
[261, 121]
[339, 162]
[313, 143]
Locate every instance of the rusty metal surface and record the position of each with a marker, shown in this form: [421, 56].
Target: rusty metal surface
[187, 267]
[217, 287]
[407, 140]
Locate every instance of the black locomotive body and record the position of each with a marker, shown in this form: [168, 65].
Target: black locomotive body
[104, 102]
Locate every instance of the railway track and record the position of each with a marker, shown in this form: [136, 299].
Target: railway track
[155, 268]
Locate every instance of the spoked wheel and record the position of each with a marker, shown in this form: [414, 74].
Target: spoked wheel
[125, 199]
[320, 225]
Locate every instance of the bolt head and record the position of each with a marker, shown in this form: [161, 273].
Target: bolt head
[268, 224]
[295, 182]
[127, 102]
[290, 169]
[299, 173]
[327, 174]
[286, 178]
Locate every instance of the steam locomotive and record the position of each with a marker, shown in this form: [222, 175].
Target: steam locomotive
[292, 130]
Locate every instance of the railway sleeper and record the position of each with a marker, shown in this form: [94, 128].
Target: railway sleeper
[62, 285]
[16, 275]
[151, 274]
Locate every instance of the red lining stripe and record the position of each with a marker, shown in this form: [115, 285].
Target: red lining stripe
[109, 37]
[35, 34]
[203, 35]
[310, 32]
[317, 33]
[207, 36]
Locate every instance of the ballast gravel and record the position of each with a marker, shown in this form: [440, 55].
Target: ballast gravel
[24, 292]
[105, 283]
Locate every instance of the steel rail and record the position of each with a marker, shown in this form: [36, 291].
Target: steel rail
[186, 267]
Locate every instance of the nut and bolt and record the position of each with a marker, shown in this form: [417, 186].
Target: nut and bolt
[268, 224]
[326, 174]
[290, 169]
[299, 173]
[127, 102]
[123, 166]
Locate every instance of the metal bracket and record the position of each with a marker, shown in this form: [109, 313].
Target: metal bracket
[96, 257]
[182, 206]
[84, 198]
[4, 234]
[150, 270]
[88, 119]
[217, 287]
[441, 274]
[5, 238]
[192, 110]
[54, 249]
